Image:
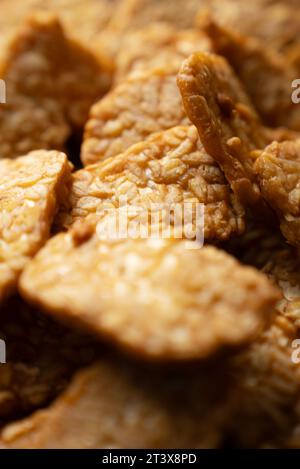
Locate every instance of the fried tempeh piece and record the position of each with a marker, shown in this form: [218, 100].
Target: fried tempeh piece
[266, 75]
[275, 22]
[170, 168]
[122, 404]
[133, 15]
[228, 126]
[139, 106]
[268, 377]
[123, 289]
[96, 14]
[136, 14]
[51, 82]
[278, 172]
[41, 357]
[155, 46]
[30, 190]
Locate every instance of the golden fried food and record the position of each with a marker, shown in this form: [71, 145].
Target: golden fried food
[155, 46]
[139, 106]
[51, 82]
[269, 377]
[41, 358]
[266, 75]
[226, 121]
[120, 404]
[276, 22]
[172, 169]
[134, 15]
[30, 190]
[269, 385]
[278, 170]
[123, 289]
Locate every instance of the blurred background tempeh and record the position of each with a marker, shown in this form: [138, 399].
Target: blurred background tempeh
[150, 224]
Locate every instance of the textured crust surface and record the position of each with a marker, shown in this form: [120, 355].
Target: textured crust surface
[155, 46]
[143, 312]
[278, 172]
[269, 379]
[41, 357]
[119, 404]
[227, 124]
[266, 75]
[51, 83]
[141, 105]
[169, 168]
[30, 189]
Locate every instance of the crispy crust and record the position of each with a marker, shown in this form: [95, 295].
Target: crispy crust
[278, 170]
[227, 123]
[30, 191]
[143, 313]
[44, 71]
[141, 105]
[169, 168]
[266, 75]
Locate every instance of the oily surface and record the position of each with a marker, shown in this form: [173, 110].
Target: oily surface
[41, 356]
[119, 404]
[143, 313]
[139, 106]
[170, 170]
[227, 123]
[30, 190]
[51, 82]
[278, 169]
